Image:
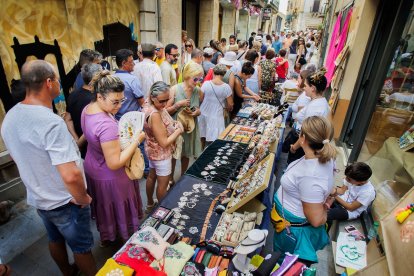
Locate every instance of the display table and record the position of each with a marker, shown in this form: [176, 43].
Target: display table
[232, 174]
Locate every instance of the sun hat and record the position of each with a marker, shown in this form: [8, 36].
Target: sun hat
[208, 51]
[135, 166]
[255, 239]
[186, 120]
[229, 58]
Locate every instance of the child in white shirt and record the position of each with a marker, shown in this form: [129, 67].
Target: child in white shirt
[355, 196]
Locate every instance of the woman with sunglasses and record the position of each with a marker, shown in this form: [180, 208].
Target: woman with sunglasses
[301, 51]
[187, 96]
[116, 200]
[189, 46]
[162, 132]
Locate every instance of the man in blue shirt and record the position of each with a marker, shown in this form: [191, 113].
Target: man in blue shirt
[133, 93]
[277, 44]
[134, 96]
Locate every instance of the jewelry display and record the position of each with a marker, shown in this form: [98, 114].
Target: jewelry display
[233, 228]
[218, 162]
[254, 182]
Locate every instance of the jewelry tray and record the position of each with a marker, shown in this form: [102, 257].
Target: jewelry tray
[268, 163]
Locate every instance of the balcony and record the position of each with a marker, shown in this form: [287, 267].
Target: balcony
[260, 3]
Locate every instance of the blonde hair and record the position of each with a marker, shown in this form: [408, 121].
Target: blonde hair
[191, 42]
[257, 45]
[318, 132]
[104, 83]
[192, 69]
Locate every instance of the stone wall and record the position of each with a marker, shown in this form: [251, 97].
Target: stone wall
[148, 21]
[209, 21]
[229, 19]
[170, 22]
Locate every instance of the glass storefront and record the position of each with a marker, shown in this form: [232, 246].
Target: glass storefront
[384, 111]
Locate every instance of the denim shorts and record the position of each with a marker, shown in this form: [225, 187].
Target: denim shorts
[69, 223]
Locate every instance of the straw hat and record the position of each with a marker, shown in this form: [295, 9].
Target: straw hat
[186, 120]
[229, 58]
[135, 166]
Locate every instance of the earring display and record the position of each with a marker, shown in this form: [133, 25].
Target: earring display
[233, 228]
[255, 181]
[218, 162]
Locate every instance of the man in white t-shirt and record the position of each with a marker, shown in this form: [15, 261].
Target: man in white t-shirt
[355, 196]
[50, 167]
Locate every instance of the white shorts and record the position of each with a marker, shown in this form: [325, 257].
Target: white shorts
[162, 167]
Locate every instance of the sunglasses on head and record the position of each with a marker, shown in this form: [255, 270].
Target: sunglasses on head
[200, 79]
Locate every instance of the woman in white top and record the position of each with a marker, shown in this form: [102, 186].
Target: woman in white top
[218, 98]
[189, 47]
[304, 188]
[315, 85]
[254, 82]
[302, 99]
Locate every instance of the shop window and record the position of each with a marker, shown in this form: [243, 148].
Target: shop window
[392, 159]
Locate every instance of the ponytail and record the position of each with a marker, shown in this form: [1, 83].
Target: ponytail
[318, 133]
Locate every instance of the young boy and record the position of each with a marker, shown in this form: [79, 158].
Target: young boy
[282, 66]
[355, 196]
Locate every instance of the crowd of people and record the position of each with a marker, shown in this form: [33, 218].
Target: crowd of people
[186, 106]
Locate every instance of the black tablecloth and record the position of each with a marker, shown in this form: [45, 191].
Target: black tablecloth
[197, 214]
[229, 161]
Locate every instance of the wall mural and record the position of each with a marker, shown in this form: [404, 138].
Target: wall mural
[74, 24]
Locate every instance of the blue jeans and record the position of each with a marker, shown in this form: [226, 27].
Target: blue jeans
[69, 223]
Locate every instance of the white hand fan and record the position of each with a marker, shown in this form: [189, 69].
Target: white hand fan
[130, 123]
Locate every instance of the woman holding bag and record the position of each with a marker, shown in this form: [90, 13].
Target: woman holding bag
[162, 132]
[218, 101]
[116, 200]
[186, 97]
[299, 213]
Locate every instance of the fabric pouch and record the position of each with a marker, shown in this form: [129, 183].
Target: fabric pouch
[278, 222]
[193, 269]
[175, 258]
[135, 257]
[112, 268]
[151, 241]
[296, 269]
[289, 241]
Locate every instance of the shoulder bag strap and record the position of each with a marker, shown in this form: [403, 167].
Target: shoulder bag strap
[214, 91]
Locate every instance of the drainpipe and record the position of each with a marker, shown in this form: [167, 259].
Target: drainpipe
[157, 11]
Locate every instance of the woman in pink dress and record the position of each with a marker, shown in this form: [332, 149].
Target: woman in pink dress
[116, 201]
[161, 131]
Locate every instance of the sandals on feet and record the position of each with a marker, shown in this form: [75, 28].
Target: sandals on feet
[151, 207]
